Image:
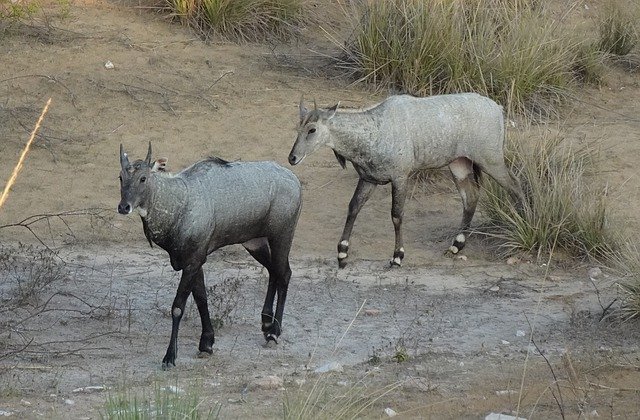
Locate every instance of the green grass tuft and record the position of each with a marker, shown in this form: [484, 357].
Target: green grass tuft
[167, 403]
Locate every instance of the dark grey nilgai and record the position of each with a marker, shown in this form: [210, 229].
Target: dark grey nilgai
[387, 142]
[211, 204]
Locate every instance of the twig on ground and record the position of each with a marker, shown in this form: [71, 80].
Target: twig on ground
[560, 402]
[604, 309]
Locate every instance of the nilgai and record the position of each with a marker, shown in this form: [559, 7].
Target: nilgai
[206, 206]
[390, 140]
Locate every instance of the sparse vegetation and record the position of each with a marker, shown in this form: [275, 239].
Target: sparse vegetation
[240, 20]
[17, 9]
[28, 273]
[321, 400]
[223, 299]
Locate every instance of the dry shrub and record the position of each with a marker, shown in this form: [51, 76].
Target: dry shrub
[223, 299]
[29, 272]
[240, 20]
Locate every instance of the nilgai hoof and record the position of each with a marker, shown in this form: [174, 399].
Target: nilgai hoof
[395, 262]
[271, 338]
[342, 263]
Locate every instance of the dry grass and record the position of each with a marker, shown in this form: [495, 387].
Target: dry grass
[321, 401]
[240, 20]
[567, 207]
[619, 32]
[512, 51]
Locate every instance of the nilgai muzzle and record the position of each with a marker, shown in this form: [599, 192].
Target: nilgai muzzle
[211, 204]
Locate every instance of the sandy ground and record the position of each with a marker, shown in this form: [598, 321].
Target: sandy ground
[464, 325]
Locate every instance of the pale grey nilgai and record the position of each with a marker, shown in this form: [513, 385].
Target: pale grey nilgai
[211, 204]
[388, 141]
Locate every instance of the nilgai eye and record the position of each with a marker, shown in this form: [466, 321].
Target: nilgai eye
[312, 130]
[142, 179]
[120, 178]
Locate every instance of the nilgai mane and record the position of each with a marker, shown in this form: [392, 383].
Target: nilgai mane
[403, 134]
[206, 206]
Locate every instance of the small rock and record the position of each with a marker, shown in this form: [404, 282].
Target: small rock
[506, 392]
[498, 416]
[390, 412]
[513, 260]
[25, 402]
[69, 402]
[109, 65]
[5, 413]
[330, 367]
[494, 288]
[462, 257]
[269, 382]
[300, 382]
[372, 312]
[520, 333]
[89, 389]
[594, 273]
[505, 342]
[343, 383]
[173, 389]
[594, 413]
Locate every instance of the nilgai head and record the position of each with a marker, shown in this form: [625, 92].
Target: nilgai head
[313, 131]
[134, 181]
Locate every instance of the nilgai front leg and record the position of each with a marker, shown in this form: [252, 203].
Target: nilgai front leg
[360, 196]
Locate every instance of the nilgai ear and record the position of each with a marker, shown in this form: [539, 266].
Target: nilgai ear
[160, 165]
[331, 112]
[303, 110]
[124, 159]
[148, 158]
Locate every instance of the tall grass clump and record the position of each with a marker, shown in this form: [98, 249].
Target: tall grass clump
[512, 51]
[619, 31]
[240, 20]
[166, 402]
[567, 208]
